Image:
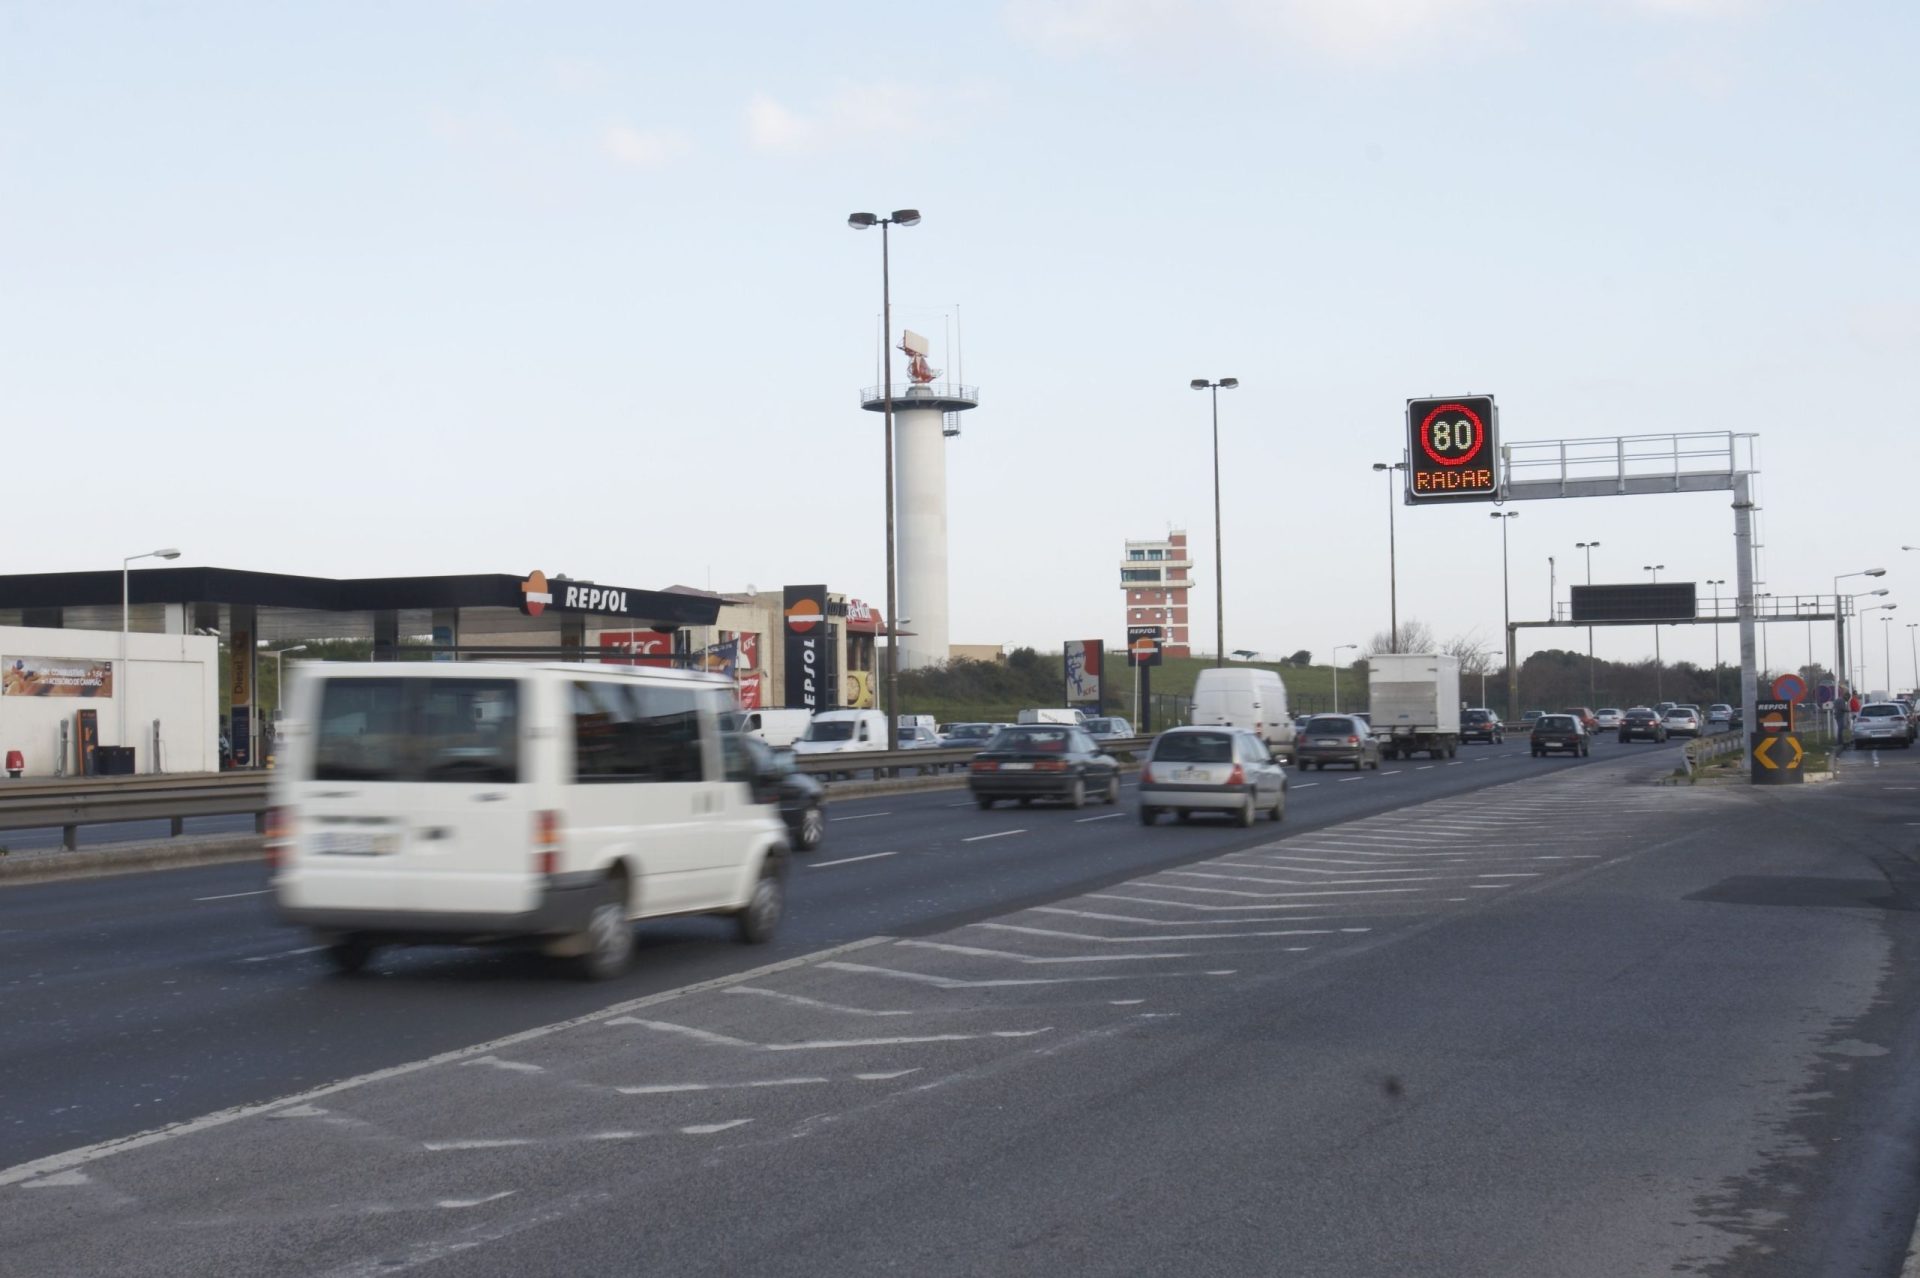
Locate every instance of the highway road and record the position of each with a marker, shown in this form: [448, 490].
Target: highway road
[1502, 1017]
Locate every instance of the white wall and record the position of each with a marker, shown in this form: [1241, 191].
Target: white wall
[174, 678]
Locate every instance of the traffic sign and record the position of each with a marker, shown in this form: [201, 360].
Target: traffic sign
[1452, 447]
[1790, 687]
[1776, 758]
[1774, 716]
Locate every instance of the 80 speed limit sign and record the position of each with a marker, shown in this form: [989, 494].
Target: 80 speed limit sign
[1451, 448]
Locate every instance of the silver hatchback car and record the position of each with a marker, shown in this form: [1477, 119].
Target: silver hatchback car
[1202, 769]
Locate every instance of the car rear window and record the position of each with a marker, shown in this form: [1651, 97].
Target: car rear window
[1036, 740]
[415, 729]
[1331, 727]
[1882, 712]
[1194, 747]
[1554, 722]
[1476, 716]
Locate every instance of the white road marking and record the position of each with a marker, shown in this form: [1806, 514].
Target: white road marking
[1198, 936]
[268, 958]
[998, 834]
[864, 816]
[955, 983]
[233, 896]
[1425, 767]
[708, 1129]
[1104, 816]
[1487, 887]
[436, 1146]
[708, 1036]
[458, 1204]
[801, 1000]
[1251, 878]
[1344, 780]
[1456, 763]
[974, 951]
[849, 860]
[887, 1075]
[1396, 772]
[1180, 887]
[59, 1180]
[519, 1066]
[1533, 875]
[1134, 918]
[664, 1089]
[668, 1027]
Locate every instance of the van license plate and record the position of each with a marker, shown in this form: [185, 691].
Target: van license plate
[352, 843]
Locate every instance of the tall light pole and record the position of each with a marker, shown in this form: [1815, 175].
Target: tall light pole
[1886, 645]
[1588, 547]
[1863, 642]
[1393, 554]
[1337, 648]
[279, 674]
[126, 608]
[860, 222]
[1841, 670]
[1716, 583]
[1219, 567]
[1506, 613]
[1913, 650]
[1659, 672]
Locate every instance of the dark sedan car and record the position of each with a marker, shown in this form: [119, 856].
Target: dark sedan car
[1642, 724]
[1554, 732]
[1043, 761]
[1482, 725]
[801, 799]
[1336, 738]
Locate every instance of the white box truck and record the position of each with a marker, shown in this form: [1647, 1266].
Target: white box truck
[1415, 700]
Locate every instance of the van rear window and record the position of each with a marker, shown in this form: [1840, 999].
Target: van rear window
[439, 730]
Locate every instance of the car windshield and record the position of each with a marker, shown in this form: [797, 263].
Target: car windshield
[1555, 722]
[418, 729]
[1031, 740]
[1331, 727]
[829, 730]
[1194, 747]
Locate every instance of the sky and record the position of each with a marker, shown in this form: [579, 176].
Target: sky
[360, 289]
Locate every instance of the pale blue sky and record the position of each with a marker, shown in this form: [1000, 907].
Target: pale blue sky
[433, 287]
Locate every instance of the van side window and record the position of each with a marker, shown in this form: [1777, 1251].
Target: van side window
[603, 737]
[632, 732]
[667, 734]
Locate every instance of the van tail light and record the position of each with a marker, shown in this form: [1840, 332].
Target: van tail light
[546, 842]
[1238, 776]
[1146, 774]
[276, 830]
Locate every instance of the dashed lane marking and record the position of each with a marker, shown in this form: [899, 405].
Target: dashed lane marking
[974, 951]
[997, 834]
[811, 1045]
[864, 816]
[1104, 816]
[801, 1000]
[849, 860]
[233, 896]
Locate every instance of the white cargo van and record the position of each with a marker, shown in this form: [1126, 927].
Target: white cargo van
[1048, 715]
[477, 802]
[843, 732]
[1246, 697]
[778, 728]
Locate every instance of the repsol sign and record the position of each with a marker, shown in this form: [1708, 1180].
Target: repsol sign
[540, 593]
[805, 624]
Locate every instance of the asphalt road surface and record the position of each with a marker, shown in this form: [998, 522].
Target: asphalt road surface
[1508, 1017]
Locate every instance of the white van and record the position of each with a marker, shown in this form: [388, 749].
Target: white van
[475, 802]
[844, 732]
[1246, 697]
[778, 728]
[1046, 714]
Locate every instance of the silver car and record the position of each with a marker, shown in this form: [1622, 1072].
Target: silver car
[1683, 721]
[1203, 769]
[1882, 723]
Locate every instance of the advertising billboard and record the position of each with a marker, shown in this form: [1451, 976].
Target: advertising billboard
[636, 647]
[804, 619]
[56, 677]
[1083, 659]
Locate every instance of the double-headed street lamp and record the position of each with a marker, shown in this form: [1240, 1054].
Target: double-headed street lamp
[1337, 649]
[126, 608]
[1886, 645]
[1588, 547]
[1219, 569]
[1841, 664]
[1393, 556]
[1506, 614]
[861, 222]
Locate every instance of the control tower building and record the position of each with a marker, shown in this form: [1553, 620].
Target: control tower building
[926, 413]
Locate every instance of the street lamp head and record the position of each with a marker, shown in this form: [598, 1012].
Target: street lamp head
[1874, 572]
[861, 221]
[905, 217]
[168, 553]
[1882, 591]
[1228, 383]
[1199, 383]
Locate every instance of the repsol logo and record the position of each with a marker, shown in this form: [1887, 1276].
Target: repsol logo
[810, 673]
[595, 599]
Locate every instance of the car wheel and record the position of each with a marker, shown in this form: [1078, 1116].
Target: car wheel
[1077, 796]
[1536, 753]
[1113, 788]
[813, 828]
[760, 918]
[1246, 814]
[350, 954]
[985, 801]
[609, 935]
[1149, 816]
[1183, 815]
[1278, 812]
[1026, 800]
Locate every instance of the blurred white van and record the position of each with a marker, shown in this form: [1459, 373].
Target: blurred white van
[778, 728]
[843, 732]
[476, 802]
[1245, 697]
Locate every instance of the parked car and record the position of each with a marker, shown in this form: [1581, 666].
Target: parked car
[1481, 725]
[1719, 717]
[1336, 738]
[1642, 724]
[801, 799]
[471, 803]
[1587, 718]
[1881, 723]
[1109, 729]
[1683, 721]
[1222, 770]
[1607, 720]
[1559, 732]
[1043, 761]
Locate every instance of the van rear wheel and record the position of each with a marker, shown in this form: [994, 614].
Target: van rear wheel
[608, 935]
[760, 918]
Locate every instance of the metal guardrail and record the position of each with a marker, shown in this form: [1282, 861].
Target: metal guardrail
[70, 804]
[1717, 746]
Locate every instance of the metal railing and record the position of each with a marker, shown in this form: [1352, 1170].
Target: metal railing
[1716, 746]
[1620, 458]
[906, 393]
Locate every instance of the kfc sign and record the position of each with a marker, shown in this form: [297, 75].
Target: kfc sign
[862, 618]
[636, 647]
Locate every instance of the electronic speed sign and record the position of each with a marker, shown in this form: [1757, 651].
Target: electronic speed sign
[1451, 448]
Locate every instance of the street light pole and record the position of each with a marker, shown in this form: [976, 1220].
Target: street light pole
[1393, 556]
[1337, 648]
[861, 222]
[280, 673]
[126, 608]
[1716, 584]
[1219, 566]
[1588, 547]
[1841, 665]
[1886, 645]
[1913, 650]
[1506, 614]
[1659, 671]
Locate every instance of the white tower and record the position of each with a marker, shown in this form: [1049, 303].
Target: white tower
[925, 414]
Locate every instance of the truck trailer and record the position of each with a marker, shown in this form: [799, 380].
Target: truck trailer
[1415, 703]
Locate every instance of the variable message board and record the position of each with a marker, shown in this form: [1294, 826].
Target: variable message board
[1641, 601]
[1451, 449]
